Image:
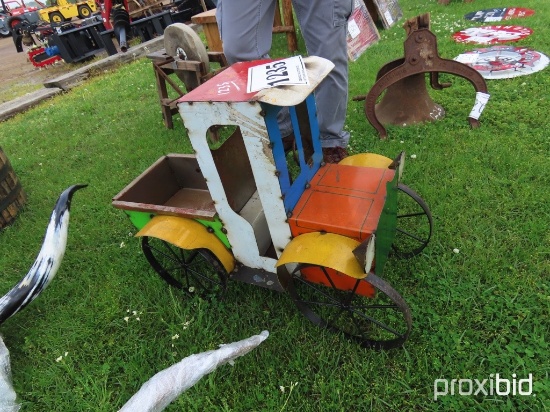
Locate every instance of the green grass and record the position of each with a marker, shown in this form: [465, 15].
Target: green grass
[482, 311]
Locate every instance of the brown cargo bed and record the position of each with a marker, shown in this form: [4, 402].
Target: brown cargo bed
[173, 185]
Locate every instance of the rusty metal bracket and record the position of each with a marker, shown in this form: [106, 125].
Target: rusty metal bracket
[421, 57]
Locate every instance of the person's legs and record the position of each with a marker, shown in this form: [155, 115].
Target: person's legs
[245, 28]
[246, 31]
[324, 28]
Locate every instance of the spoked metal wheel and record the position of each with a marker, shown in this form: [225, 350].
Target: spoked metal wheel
[369, 312]
[414, 223]
[196, 272]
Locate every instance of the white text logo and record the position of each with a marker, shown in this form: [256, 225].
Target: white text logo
[494, 385]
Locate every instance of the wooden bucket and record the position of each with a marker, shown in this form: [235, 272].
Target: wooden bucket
[12, 196]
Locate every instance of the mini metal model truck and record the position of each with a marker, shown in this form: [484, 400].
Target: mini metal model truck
[242, 209]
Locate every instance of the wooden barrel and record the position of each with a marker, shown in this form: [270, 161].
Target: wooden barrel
[12, 196]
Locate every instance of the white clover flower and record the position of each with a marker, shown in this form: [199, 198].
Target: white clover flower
[176, 336]
[122, 244]
[456, 250]
[59, 359]
[126, 318]
[191, 289]
[413, 156]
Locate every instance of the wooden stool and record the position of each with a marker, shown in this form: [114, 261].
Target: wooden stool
[282, 23]
[196, 73]
[210, 27]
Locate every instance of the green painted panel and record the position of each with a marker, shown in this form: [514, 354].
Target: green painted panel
[387, 225]
[140, 219]
[216, 226]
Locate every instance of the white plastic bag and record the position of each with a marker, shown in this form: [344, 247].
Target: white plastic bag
[157, 393]
[7, 394]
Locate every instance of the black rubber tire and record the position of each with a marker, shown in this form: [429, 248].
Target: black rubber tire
[84, 11]
[56, 17]
[12, 22]
[5, 31]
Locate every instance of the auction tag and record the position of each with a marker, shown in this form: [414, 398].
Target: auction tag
[353, 29]
[389, 17]
[479, 105]
[291, 71]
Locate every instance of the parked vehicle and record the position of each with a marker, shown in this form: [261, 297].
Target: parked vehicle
[13, 12]
[58, 11]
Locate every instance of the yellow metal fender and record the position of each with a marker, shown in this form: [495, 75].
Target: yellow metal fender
[324, 249]
[367, 160]
[187, 234]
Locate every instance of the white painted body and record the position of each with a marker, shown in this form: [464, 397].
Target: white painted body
[198, 117]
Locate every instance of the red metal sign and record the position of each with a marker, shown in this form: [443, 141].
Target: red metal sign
[503, 62]
[492, 34]
[227, 86]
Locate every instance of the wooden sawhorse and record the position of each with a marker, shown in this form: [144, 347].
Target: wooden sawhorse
[192, 73]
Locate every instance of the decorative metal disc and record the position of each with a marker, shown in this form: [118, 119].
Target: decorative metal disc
[492, 34]
[504, 62]
[499, 14]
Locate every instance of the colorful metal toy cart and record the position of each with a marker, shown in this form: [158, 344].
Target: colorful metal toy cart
[241, 208]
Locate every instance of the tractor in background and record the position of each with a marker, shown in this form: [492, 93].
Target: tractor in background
[59, 11]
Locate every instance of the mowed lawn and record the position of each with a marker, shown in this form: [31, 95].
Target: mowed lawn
[479, 293]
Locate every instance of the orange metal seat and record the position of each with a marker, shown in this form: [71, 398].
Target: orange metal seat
[346, 200]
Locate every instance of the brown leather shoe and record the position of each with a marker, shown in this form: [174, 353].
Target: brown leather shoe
[334, 154]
